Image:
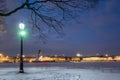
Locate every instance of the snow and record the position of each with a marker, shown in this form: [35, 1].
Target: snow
[8, 72]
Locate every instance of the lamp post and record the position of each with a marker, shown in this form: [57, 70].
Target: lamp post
[22, 34]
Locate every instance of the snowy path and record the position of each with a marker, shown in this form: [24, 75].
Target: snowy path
[58, 73]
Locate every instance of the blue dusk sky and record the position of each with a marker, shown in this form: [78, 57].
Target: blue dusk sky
[93, 31]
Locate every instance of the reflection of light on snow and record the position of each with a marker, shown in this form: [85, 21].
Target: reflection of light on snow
[40, 58]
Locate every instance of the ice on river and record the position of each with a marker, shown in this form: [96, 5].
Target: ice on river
[58, 73]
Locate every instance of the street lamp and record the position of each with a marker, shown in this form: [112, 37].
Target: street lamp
[22, 34]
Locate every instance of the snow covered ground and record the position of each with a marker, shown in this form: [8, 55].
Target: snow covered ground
[56, 71]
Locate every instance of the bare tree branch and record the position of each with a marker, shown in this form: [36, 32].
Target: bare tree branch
[51, 12]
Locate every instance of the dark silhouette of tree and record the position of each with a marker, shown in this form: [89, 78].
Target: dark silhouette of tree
[51, 12]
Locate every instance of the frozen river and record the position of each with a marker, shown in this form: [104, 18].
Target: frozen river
[61, 71]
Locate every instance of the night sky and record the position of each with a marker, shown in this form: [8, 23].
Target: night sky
[94, 31]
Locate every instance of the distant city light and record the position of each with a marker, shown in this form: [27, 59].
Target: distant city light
[78, 55]
[23, 55]
[55, 55]
[106, 55]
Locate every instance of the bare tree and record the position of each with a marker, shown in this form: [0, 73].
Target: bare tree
[2, 10]
[50, 12]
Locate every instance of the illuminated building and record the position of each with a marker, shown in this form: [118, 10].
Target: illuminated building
[75, 59]
[25, 59]
[94, 59]
[4, 58]
[53, 59]
[39, 55]
[97, 58]
[117, 58]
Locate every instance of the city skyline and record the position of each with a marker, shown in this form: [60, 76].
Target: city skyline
[94, 31]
